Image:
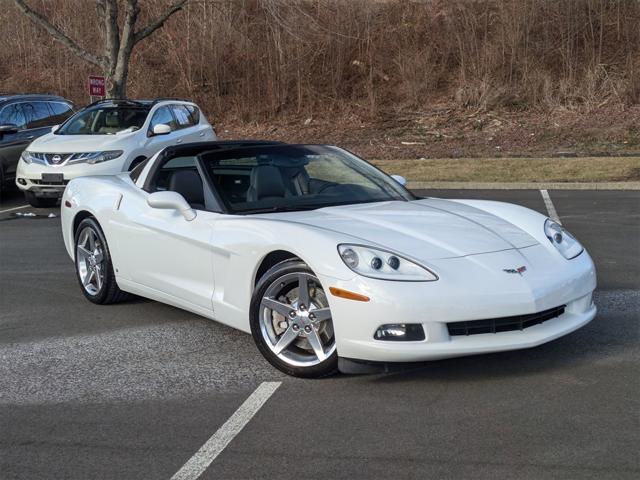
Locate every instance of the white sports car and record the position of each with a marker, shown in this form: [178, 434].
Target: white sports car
[328, 262]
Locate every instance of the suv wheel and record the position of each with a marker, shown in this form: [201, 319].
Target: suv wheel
[39, 202]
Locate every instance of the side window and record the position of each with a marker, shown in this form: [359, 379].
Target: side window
[61, 111]
[182, 116]
[38, 114]
[194, 114]
[13, 115]
[162, 115]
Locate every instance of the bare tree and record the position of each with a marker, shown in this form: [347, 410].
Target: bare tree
[118, 41]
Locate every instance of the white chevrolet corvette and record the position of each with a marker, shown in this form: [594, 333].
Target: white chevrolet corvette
[328, 262]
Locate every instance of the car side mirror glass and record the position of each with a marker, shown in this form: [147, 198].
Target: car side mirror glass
[400, 179]
[171, 201]
[8, 128]
[161, 129]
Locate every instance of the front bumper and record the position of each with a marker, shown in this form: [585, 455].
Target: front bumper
[470, 288]
[29, 175]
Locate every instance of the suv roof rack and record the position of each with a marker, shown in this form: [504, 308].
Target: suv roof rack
[118, 101]
[34, 95]
[169, 99]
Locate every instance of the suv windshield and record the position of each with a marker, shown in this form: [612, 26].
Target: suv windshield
[104, 121]
[296, 177]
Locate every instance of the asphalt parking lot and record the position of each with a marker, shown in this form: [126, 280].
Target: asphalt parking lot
[132, 391]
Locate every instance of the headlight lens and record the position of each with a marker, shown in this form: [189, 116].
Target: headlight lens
[32, 157]
[26, 157]
[566, 243]
[94, 157]
[375, 263]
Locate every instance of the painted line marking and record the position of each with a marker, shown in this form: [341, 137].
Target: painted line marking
[14, 208]
[553, 214]
[201, 460]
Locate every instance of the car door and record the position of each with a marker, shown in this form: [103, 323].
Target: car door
[155, 143]
[189, 130]
[12, 144]
[162, 251]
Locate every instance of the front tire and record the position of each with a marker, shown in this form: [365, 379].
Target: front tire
[94, 269]
[39, 202]
[291, 321]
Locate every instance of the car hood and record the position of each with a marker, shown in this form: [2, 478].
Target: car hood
[51, 143]
[423, 229]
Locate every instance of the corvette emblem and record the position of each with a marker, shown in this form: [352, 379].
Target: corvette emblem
[519, 270]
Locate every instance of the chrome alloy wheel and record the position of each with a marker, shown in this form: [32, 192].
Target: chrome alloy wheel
[90, 261]
[295, 320]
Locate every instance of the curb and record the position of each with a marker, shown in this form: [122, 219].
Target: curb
[524, 185]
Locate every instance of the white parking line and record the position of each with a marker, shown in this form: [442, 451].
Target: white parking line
[14, 208]
[553, 215]
[219, 440]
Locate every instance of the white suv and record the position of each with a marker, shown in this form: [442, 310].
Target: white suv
[105, 138]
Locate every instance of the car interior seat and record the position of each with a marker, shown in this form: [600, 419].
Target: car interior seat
[266, 184]
[188, 184]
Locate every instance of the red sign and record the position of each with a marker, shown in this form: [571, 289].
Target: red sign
[97, 86]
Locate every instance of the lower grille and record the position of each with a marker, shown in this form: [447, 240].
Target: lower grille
[42, 182]
[504, 324]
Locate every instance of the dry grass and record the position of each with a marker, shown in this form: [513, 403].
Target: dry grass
[590, 169]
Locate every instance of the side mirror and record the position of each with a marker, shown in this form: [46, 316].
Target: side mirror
[55, 128]
[400, 179]
[8, 128]
[161, 129]
[171, 201]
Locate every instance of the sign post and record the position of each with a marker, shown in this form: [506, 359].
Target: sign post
[97, 87]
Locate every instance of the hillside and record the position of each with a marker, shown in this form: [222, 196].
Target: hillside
[389, 79]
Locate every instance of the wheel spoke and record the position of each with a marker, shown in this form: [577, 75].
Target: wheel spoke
[303, 290]
[87, 279]
[285, 340]
[84, 251]
[321, 314]
[99, 256]
[316, 344]
[279, 307]
[92, 241]
[98, 276]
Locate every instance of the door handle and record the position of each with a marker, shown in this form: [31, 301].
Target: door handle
[179, 140]
[201, 134]
[31, 137]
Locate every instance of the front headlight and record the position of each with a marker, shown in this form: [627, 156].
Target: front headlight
[26, 157]
[566, 243]
[381, 264]
[94, 157]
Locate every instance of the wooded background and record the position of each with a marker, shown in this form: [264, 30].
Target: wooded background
[252, 60]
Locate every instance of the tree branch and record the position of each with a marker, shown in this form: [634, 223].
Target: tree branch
[58, 35]
[159, 22]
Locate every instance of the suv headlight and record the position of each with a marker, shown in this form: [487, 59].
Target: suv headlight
[28, 157]
[566, 243]
[381, 264]
[94, 157]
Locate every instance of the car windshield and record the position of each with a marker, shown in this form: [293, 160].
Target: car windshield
[104, 121]
[296, 177]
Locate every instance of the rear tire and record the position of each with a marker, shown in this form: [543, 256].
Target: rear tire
[94, 269]
[39, 202]
[291, 321]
